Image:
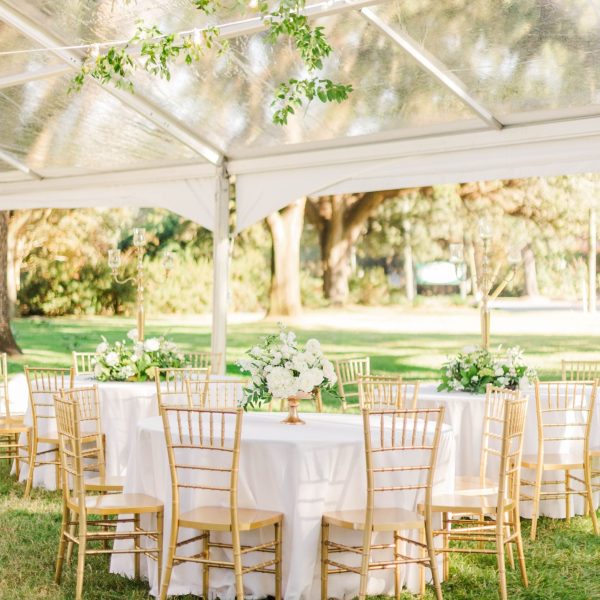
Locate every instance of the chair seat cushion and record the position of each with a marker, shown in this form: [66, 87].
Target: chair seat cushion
[473, 485]
[12, 427]
[108, 483]
[472, 504]
[559, 460]
[119, 504]
[217, 518]
[384, 519]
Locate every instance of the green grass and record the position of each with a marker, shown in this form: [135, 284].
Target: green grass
[564, 563]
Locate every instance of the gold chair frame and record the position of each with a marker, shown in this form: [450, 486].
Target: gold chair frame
[83, 363]
[221, 393]
[76, 526]
[42, 384]
[204, 360]
[208, 431]
[493, 518]
[348, 371]
[580, 370]
[397, 432]
[387, 391]
[11, 426]
[171, 385]
[579, 398]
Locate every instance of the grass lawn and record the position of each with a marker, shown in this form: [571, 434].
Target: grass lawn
[564, 563]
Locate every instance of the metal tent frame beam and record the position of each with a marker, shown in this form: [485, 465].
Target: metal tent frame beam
[27, 76]
[434, 67]
[139, 104]
[18, 164]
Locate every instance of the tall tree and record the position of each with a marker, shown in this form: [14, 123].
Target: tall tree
[8, 343]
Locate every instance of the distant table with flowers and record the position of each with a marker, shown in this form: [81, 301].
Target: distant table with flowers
[123, 404]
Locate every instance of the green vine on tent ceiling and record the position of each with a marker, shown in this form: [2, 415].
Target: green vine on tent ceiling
[157, 51]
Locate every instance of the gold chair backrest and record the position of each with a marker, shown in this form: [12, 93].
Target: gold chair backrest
[580, 370]
[203, 446]
[4, 398]
[84, 362]
[90, 427]
[391, 437]
[511, 450]
[564, 414]
[203, 360]
[70, 449]
[42, 384]
[171, 384]
[215, 393]
[386, 391]
[348, 370]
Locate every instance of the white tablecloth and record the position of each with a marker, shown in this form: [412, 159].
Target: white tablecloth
[122, 406]
[465, 412]
[301, 471]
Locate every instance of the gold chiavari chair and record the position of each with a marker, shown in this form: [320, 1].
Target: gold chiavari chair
[215, 393]
[42, 384]
[580, 370]
[83, 363]
[204, 453]
[386, 391]
[391, 438]
[348, 371]
[76, 526]
[171, 387]
[203, 360]
[564, 418]
[492, 518]
[12, 426]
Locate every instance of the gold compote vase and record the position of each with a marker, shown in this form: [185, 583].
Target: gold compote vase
[293, 403]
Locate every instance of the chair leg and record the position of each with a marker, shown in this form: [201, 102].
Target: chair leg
[278, 557]
[57, 471]
[324, 558]
[536, 500]
[446, 526]
[136, 546]
[587, 474]
[237, 565]
[159, 543]
[206, 568]
[432, 560]
[567, 496]
[501, 561]
[364, 564]
[509, 549]
[164, 586]
[32, 457]
[397, 580]
[81, 556]
[520, 553]
[62, 544]
[74, 518]
[17, 453]
[424, 555]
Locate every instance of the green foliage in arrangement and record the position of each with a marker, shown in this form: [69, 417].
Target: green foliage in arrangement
[155, 51]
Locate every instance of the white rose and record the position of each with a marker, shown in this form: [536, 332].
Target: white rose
[276, 357]
[310, 379]
[329, 371]
[313, 346]
[499, 372]
[132, 334]
[281, 383]
[152, 345]
[299, 362]
[112, 359]
[101, 348]
[98, 370]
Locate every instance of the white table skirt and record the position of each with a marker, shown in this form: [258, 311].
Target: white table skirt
[122, 406]
[300, 471]
[465, 412]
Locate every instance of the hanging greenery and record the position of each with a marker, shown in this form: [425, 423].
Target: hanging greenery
[157, 51]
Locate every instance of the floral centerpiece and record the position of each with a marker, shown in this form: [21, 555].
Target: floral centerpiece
[473, 368]
[280, 368]
[135, 360]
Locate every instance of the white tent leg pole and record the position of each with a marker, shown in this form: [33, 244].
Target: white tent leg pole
[220, 271]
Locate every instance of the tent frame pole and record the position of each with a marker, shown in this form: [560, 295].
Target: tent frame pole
[221, 246]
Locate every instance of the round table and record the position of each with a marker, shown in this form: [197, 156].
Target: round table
[123, 404]
[301, 471]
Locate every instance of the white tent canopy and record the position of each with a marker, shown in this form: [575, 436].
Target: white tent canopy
[444, 92]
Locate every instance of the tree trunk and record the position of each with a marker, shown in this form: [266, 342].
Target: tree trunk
[286, 230]
[7, 341]
[531, 284]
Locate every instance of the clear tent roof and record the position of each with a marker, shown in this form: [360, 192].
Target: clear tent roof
[512, 62]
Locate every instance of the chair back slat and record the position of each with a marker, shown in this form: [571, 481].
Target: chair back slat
[203, 360]
[171, 388]
[401, 450]
[348, 370]
[580, 370]
[386, 391]
[42, 384]
[215, 393]
[84, 363]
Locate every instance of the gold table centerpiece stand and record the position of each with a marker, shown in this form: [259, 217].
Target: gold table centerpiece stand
[293, 404]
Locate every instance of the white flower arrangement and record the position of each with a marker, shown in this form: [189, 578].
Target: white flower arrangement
[280, 368]
[473, 368]
[135, 361]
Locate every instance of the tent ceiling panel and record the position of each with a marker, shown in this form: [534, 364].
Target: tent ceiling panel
[47, 128]
[516, 56]
[227, 98]
[13, 42]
